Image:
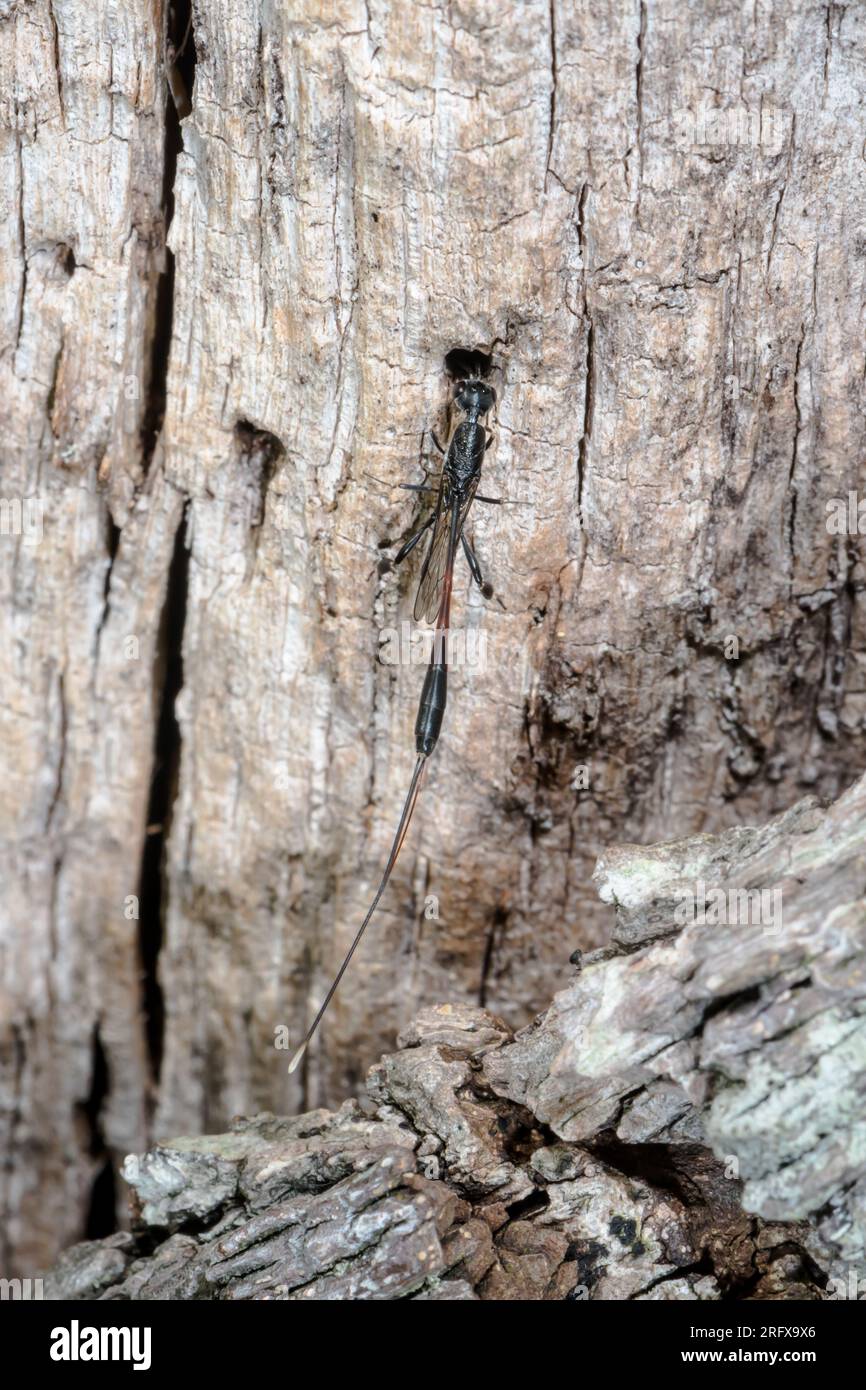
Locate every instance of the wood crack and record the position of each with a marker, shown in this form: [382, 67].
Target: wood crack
[153, 878]
[551, 129]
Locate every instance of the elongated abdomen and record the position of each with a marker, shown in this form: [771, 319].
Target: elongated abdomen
[431, 708]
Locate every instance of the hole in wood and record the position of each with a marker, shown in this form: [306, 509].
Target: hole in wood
[462, 364]
[64, 260]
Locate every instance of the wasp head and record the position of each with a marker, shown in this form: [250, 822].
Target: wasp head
[475, 397]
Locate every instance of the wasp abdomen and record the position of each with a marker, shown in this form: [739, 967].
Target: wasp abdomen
[431, 709]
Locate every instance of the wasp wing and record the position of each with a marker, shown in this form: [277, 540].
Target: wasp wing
[436, 562]
[438, 527]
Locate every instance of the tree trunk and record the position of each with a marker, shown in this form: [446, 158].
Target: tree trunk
[651, 220]
[683, 1123]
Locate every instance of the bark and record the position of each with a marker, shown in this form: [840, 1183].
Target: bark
[683, 1122]
[650, 219]
[83, 150]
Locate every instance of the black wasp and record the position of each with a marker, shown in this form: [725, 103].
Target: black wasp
[458, 488]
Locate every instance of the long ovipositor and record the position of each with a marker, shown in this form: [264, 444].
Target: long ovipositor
[428, 724]
[457, 489]
[408, 808]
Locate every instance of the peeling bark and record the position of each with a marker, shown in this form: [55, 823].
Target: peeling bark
[684, 1122]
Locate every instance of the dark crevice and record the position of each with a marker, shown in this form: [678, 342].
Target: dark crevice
[795, 447]
[654, 1164]
[101, 1220]
[180, 58]
[22, 244]
[580, 225]
[52, 389]
[168, 682]
[154, 413]
[463, 364]
[260, 452]
[55, 35]
[639, 65]
[527, 1206]
[305, 972]
[726, 1003]
[728, 1244]
[65, 262]
[587, 1255]
[518, 1131]
[101, 1217]
[698, 1270]
[588, 402]
[62, 738]
[812, 1272]
[112, 545]
[494, 936]
[551, 128]
[180, 64]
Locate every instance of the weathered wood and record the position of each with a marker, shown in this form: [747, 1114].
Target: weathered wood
[651, 219]
[353, 202]
[731, 1011]
[697, 1071]
[82, 150]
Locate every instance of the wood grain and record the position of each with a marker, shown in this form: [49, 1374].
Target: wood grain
[651, 218]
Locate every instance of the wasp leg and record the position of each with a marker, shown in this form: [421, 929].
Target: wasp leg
[386, 565]
[436, 442]
[486, 589]
[473, 562]
[412, 542]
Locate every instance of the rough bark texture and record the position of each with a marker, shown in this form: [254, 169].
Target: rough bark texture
[684, 1122]
[651, 217]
